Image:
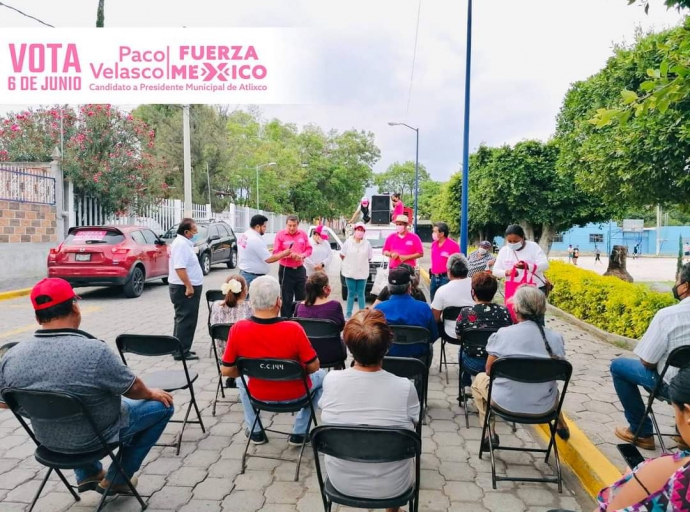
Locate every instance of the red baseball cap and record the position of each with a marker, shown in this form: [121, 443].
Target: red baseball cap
[320, 231]
[52, 291]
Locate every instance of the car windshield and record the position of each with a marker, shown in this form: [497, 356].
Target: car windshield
[172, 232]
[377, 237]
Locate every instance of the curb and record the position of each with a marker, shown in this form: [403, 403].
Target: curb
[591, 467]
[13, 294]
[425, 275]
[610, 338]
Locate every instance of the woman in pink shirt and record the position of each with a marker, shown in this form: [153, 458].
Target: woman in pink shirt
[398, 206]
[441, 249]
[403, 246]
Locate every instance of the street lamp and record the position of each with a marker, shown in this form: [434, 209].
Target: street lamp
[416, 170]
[270, 164]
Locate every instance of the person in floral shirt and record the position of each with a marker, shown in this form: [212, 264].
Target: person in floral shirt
[483, 315]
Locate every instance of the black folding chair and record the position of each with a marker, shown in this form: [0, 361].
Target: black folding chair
[409, 335]
[678, 358]
[472, 340]
[276, 370]
[6, 347]
[413, 369]
[167, 380]
[53, 406]
[368, 445]
[324, 336]
[450, 313]
[211, 297]
[219, 332]
[529, 371]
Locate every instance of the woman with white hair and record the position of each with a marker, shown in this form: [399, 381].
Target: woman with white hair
[456, 293]
[527, 338]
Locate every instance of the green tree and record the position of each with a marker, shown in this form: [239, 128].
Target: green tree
[100, 14]
[401, 178]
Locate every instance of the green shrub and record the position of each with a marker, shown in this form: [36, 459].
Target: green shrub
[605, 302]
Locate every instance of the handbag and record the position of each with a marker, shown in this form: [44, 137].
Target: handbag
[512, 285]
[381, 280]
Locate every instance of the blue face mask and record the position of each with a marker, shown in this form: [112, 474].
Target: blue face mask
[195, 238]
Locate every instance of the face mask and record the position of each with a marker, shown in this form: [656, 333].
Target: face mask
[195, 238]
[400, 229]
[676, 295]
[516, 247]
[481, 251]
[434, 236]
[359, 235]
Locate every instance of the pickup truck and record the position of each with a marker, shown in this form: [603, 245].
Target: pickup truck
[376, 234]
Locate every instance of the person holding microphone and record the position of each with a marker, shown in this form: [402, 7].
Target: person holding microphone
[292, 274]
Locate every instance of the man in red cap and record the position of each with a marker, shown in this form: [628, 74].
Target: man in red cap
[62, 358]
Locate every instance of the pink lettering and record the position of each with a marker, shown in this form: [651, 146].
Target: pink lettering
[36, 54]
[17, 60]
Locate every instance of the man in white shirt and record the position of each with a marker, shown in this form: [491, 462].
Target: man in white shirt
[253, 252]
[669, 329]
[456, 293]
[185, 280]
[321, 254]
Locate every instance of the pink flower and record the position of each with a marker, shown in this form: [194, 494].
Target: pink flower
[15, 128]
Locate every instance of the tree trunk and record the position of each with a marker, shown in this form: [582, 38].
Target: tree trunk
[547, 233]
[529, 230]
[617, 264]
[100, 14]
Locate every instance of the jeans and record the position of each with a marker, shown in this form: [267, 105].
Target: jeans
[301, 425]
[471, 366]
[628, 374]
[147, 420]
[436, 283]
[355, 287]
[248, 277]
[186, 313]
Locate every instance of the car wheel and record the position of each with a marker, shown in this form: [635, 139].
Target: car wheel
[232, 262]
[343, 291]
[205, 261]
[135, 285]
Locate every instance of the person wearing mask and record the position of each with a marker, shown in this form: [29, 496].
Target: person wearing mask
[522, 254]
[441, 249]
[458, 292]
[481, 260]
[321, 253]
[356, 255]
[397, 206]
[185, 281]
[317, 304]
[415, 291]
[291, 273]
[253, 254]
[403, 246]
[365, 394]
[362, 213]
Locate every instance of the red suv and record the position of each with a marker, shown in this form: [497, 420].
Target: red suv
[126, 256]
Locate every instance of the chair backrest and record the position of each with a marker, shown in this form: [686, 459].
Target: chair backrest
[408, 368]
[324, 336]
[271, 369]
[147, 345]
[221, 331]
[212, 296]
[43, 405]
[531, 370]
[410, 335]
[448, 314]
[6, 347]
[477, 338]
[366, 444]
[678, 358]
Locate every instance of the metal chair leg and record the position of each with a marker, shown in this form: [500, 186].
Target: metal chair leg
[40, 489]
[67, 484]
[658, 432]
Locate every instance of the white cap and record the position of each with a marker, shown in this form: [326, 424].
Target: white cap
[402, 218]
[364, 199]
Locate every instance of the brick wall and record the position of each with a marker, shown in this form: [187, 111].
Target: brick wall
[27, 223]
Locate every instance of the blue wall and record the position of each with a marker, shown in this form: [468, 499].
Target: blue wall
[612, 232]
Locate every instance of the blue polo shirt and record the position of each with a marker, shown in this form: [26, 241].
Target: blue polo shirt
[404, 310]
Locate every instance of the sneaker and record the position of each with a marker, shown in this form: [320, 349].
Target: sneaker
[116, 488]
[624, 433]
[90, 483]
[297, 439]
[257, 437]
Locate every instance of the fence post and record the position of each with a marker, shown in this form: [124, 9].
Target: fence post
[56, 171]
[177, 211]
[71, 210]
[209, 213]
[233, 213]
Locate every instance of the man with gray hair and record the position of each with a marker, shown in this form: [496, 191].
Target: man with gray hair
[267, 335]
[456, 293]
[291, 272]
[402, 309]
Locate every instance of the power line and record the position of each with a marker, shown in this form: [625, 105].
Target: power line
[414, 58]
[26, 15]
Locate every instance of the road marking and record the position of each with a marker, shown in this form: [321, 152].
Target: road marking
[34, 326]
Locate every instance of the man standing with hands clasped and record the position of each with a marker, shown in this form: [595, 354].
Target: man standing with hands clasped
[291, 273]
[403, 246]
[185, 279]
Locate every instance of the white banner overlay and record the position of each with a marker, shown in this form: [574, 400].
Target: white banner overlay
[125, 65]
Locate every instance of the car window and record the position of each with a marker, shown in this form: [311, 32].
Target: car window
[202, 231]
[222, 230]
[171, 233]
[138, 237]
[150, 236]
[213, 231]
[94, 236]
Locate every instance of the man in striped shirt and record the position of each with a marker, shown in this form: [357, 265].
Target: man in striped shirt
[669, 329]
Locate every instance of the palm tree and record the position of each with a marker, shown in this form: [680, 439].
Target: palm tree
[100, 15]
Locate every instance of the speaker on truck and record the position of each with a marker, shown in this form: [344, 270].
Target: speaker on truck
[380, 203]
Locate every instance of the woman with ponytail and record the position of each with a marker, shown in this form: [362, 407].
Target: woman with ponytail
[317, 304]
[527, 338]
[233, 308]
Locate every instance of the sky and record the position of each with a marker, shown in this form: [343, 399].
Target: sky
[525, 55]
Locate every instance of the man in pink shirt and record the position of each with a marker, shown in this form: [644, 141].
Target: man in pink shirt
[292, 274]
[441, 249]
[403, 246]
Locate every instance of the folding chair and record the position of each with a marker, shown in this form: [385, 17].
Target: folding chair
[167, 380]
[409, 335]
[414, 370]
[276, 370]
[211, 297]
[219, 332]
[450, 313]
[6, 347]
[476, 339]
[678, 358]
[54, 406]
[369, 445]
[529, 371]
[324, 336]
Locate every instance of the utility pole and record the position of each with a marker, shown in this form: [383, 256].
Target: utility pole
[208, 182]
[187, 152]
[466, 139]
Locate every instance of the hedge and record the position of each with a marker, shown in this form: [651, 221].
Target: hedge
[605, 302]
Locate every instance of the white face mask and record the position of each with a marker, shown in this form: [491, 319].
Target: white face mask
[481, 250]
[517, 246]
[434, 236]
[400, 229]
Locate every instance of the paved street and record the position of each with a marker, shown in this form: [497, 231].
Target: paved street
[205, 477]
